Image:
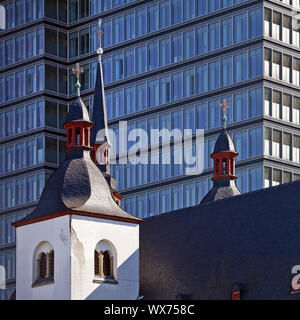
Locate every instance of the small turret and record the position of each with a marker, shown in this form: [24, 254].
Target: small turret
[224, 156]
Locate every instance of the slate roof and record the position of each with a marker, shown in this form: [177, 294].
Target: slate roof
[251, 240]
[222, 188]
[224, 143]
[99, 116]
[77, 185]
[78, 111]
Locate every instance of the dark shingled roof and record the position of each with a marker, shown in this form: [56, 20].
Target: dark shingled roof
[77, 185]
[203, 252]
[222, 188]
[78, 111]
[224, 143]
[99, 109]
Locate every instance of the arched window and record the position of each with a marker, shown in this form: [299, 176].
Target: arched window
[43, 266]
[105, 262]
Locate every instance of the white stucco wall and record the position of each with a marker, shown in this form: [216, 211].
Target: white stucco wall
[86, 232]
[57, 233]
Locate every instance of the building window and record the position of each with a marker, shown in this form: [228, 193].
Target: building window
[43, 267]
[105, 262]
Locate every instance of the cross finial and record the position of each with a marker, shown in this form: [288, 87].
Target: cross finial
[100, 32]
[77, 71]
[224, 105]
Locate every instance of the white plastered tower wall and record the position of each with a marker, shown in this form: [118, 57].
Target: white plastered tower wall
[56, 232]
[74, 240]
[86, 233]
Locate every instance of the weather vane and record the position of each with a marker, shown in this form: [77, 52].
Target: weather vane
[77, 71]
[224, 105]
[100, 32]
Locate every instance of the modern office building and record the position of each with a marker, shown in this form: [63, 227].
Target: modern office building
[167, 64]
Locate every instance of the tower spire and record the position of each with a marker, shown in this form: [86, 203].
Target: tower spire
[99, 134]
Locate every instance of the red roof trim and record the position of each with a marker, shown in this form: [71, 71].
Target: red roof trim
[79, 213]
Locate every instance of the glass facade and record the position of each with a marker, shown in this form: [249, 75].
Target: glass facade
[167, 65]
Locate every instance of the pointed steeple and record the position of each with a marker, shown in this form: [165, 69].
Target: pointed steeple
[100, 141]
[99, 133]
[224, 156]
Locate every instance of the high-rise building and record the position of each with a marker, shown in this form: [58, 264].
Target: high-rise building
[167, 64]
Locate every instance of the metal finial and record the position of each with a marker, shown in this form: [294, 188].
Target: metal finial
[100, 32]
[224, 105]
[77, 71]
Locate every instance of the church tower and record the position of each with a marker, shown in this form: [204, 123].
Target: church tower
[78, 243]
[224, 156]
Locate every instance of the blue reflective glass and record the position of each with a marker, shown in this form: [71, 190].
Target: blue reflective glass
[129, 63]
[165, 89]
[240, 107]
[188, 44]
[201, 116]
[201, 78]
[201, 40]
[153, 55]
[129, 100]
[176, 86]
[188, 82]
[226, 32]
[118, 66]
[129, 26]
[140, 97]
[226, 3]
[153, 93]
[213, 5]
[214, 36]
[255, 62]
[176, 10]
[201, 7]
[107, 32]
[213, 75]
[188, 9]
[255, 102]
[240, 67]
[226, 71]
[213, 114]
[176, 48]
[164, 14]
[140, 25]
[255, 23]
[118, 29]
[141, 60]
[153, 22]
[240, 28]
[164, 52]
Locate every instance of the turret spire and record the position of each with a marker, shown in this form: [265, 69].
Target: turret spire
[78, 124]
[77, 71]
[224, 105]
